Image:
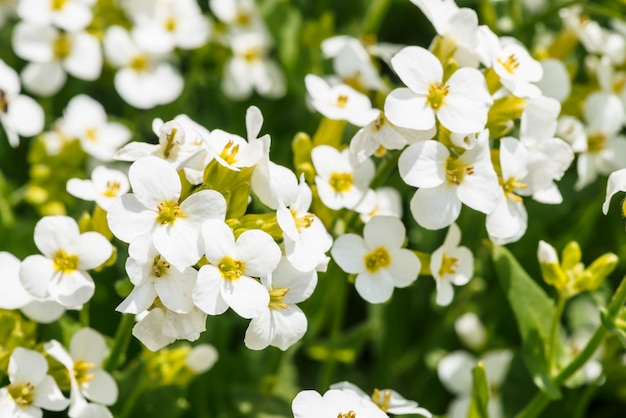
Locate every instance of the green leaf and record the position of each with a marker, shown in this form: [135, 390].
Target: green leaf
[480, 394]
[533, 310]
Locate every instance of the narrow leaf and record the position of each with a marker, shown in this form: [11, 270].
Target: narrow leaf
[480, 394]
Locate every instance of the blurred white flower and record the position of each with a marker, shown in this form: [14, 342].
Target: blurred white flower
[105, 185]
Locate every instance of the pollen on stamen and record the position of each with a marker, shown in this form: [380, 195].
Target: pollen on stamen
[510, 65]
[437, 93]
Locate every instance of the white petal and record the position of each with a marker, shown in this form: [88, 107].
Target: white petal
[408, 110]
[154, 180]
[92, 250]
[384, 231]
[349, 251]
[259, 252]
[44, 78]
[26, 116]
[88, 345]
[102, 388]
[423, 164]
[175, 289]
[436, 208]
[53, 233]
[207, 294]
[148, 331]
[247, 297]
[417, 68]
[13, 295]
[376, 287]
[405, 267]
[616, 183]
[49, 396]
[27, 366]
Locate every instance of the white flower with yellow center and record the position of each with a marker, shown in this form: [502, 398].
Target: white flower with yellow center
[451, 264]
[460, 103]
[88, 381]
[446, 181]
[339, 102]
[154, 209]
[384, 201]
[517, 70]
[377, 258]
[143, 79]
[30, 389]
[85, 118]
[334, 404]
[69, 15]
[67, 254]
[105, 185]
[153, 276]
[52, 54]
[229, 279]
[282, 323]
[19, 115]
[340, 181]
[305, 238]
[158, 326]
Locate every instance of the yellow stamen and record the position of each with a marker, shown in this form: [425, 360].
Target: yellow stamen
[509, 187]
[140, 63]
[231, 269]
[230, 151]
[303, 222]
[437, 93]
[22, 393]
[4, 104]
[349, 414]
[170, 24]
[377, 259]
[342, 101]
[57, 4]
[456, 170]
[510, 65]
[596, 142]
[252, 54]
[276, 299]
[448, 265]
[81, 371]
[382, 400]
[112, 189]
[91, 134]
[159, 267]
[340, 182]
[169, 211]
[62, 46]
[64, 262]
[243, 19]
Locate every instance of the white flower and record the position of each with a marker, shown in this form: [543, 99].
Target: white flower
[460, 103]
[381, 135]
[69, 15]
[239, 15]
[61, 271]
[455, 373]
[201, 358]
[154, 277]
[378, 259]
[52, 54]
[85, 118]
[387, 400]
[305, 238]
[516, 68]
[556, 82]
[282, 323]
[228, 279]
[20, 115]
[335, 403]
[165, 25]
[105, 185]
[144, 80]
[340, 181]
[352, 62]
[616, 183]
[470, 330]
[159, 326]
[92, 410]
[31, 388]
[451, 264]
[88, 380]
[13, 295]
[445, 181]
[384, 201]
[339, 102]
[251, 69]
[153, 208]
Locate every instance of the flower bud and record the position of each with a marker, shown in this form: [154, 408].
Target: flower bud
[595, 274]
[571, 255]
[551, 271]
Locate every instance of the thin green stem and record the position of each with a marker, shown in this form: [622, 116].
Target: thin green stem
[84, 315]
[122, 338]
[131, 400]
[554, 333]
[375, 15]
[541, 400]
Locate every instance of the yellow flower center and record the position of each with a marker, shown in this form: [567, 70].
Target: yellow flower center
[456, 170]
[91, 134]
[64, 262]
[437, 93]
[229, 153]
[231, 269]
[168, 211]
[62, 46]
[340, 182]
[82, 371]
[349, 414]
[243, 18]
[170, 24]
[448, 265]
[112, 189]
[510, 65]
[159, 267]
[303, 222]
[140, 63]
[377, 259]
[252, 54]
[509, 187]
[596, 142]
[276, 299]
[342, 101]
[379, 122]
[57, 4]
[382, 399]
[22, 393]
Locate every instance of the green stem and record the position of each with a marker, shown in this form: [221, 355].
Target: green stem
[375, 15]
[541, 400]
[122, 338]
[131, 401]
[84, 315]
[339, 299]
[554, 333]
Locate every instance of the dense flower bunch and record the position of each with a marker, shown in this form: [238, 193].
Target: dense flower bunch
[425, 163]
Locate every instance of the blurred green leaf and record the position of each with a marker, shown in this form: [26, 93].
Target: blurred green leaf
[533, 311]
[480, 393]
